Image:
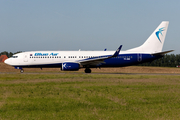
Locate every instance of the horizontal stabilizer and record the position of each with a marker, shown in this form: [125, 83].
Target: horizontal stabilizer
[162, 53]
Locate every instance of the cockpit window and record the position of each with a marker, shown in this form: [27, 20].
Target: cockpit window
[14, 56]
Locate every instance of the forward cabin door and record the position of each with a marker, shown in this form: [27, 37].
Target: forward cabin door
[139, 57]
[25, 58]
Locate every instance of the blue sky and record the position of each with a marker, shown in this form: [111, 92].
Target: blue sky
[85, 24]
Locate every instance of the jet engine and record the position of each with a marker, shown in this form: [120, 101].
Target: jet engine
[70, 66]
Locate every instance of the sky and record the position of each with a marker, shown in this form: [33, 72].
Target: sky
[32, 25]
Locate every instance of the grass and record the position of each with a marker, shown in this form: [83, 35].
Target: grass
[89, 96]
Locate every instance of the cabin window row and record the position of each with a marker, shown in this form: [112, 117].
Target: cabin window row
[64, 57]
[47, 57]
[87, 56]
[82, 57]
[123, 57]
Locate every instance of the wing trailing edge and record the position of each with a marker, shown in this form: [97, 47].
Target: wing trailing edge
[99, 60]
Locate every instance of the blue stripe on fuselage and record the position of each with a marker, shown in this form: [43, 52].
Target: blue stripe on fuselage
[128, 59]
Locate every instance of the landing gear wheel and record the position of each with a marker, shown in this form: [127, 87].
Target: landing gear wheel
[87, 70]
[21, 70]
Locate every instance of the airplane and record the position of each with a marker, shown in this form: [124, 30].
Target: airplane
[150, 50]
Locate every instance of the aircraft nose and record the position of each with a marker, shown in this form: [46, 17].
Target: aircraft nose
[7, 61]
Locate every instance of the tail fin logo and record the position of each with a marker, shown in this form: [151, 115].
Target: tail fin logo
[159, 32]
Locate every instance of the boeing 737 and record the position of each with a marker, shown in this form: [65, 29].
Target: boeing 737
[75, 60]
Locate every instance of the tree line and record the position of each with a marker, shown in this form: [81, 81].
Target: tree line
[169, 60]
[9, 54]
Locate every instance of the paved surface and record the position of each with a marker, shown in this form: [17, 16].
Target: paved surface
[173, 74]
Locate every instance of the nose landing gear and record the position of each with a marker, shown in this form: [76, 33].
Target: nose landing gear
[21, 71]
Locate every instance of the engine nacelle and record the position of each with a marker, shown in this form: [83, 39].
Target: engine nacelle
[69, 66]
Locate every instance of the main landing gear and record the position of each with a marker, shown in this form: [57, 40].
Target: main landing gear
[87, 70]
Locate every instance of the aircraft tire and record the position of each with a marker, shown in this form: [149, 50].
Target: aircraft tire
[87, 70]
[21, 71]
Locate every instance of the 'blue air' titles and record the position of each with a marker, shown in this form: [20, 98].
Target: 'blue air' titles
[46, 54]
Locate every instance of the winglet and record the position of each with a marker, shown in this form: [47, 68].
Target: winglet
[117, 51]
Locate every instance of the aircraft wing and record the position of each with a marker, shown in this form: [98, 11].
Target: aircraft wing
[98, 60]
